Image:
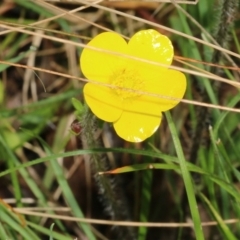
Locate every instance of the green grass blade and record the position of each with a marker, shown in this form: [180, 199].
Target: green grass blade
[67, 192]
[3, 234]
[224, 228]
[186, 179]
[145, 202]
[49, 232]
[14, 224]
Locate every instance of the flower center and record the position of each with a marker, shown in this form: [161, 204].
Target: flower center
[127, 83]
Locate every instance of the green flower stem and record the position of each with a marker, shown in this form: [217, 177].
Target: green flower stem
[186, 179]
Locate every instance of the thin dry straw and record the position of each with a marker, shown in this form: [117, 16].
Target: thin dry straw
[210, 76]
[63, 13]
[204, 31]
[173, 1]
[95, 49]
[111, 86]
[119, 223]
[207, 74]
[177, 58]
[137, 19]
[161, 27]
[59, 16]
[88, 4]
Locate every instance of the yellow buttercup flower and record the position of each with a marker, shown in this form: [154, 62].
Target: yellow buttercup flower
[131, 93]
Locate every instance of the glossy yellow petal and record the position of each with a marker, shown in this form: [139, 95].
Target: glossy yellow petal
[99, 66]
[143, 105]
[169, 87]
[160, 92]
[153, 46]
[134, 127]
[103, 102]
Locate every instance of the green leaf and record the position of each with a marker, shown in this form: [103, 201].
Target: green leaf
[51, 231]
[77, 105]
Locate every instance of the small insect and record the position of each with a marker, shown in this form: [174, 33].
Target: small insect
[76, 127]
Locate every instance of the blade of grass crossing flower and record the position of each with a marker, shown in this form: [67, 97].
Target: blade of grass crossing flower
[224, 228]
[186, 179]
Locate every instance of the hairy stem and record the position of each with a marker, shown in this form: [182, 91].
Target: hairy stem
[110, 190]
